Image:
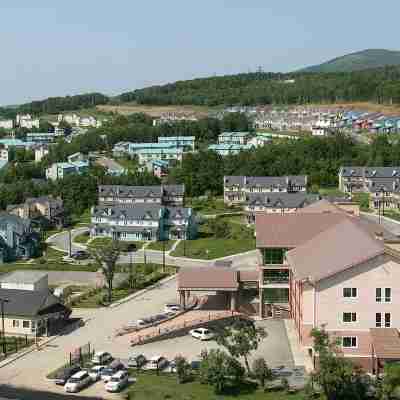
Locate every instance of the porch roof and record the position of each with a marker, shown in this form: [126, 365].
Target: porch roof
[386, 343]
[208, 278]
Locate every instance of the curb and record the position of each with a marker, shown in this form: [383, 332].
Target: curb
[140, 292]
[387, 219]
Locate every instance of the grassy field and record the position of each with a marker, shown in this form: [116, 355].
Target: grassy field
[154, 111]
[82, 238]
[130, 165]
[124, 244]
[331, 191]
[159, 245]
[165, 386]
[212, 206]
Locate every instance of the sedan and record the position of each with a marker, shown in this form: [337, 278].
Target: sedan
[172, 308]
[136, 360]
[95, 372]
[201, 333]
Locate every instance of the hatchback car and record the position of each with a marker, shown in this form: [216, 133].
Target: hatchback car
[77, 382]
[112, 369]
[201, 333]
[117, 382]
[157, 362]
[136, 360]
[80, 255]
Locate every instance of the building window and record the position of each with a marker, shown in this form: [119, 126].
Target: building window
[378, 295]
[276, 295]
[15, 323]
[349, 341]
[387, 320]
[26, 324]
[378, 320]
[388, 295]
[387, 298]
[349, 292]
[274, 256]
[349, 317]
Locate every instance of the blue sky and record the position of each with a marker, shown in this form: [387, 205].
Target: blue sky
[51, 48]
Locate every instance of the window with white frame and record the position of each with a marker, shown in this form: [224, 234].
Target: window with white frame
[388, 320]
[383, 320]
[349, 293]
[383, 295]
[26, 324]
[349, 317]
[15, 323]
[349, 342]
[378, 320]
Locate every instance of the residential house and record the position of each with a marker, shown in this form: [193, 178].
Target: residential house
[43, 210]
[229, 149]
[43, 137]
[63, 169]
[234, 138]
[158, 168]
[121, 195]
[41, 152]
[32, 310]
[236, 188]
[382, 184]
[16, 143]
[143, 222]
[17, 238]
[3, 154]
[6, 123]
[260, 140]
[26, 121]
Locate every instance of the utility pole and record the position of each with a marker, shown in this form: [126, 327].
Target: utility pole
[163, 256]
[2, 301]
[69, 243]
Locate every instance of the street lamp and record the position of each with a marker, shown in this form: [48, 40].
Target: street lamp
[382, 203]
[2, 301]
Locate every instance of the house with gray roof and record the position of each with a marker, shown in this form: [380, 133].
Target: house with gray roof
[237, 188]
[17, 238]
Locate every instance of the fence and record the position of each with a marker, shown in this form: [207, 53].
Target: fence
[81, 355]
[186, 324]
[13, 344]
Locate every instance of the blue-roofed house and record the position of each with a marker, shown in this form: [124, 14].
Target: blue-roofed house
[17, 143]
[229, 149]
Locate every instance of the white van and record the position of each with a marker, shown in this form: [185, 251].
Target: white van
[101, 358]
[77, 382]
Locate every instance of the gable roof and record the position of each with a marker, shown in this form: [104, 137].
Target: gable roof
[292, 230]
[28, 303]
[280, 199]
[343, 245]
[321, 206]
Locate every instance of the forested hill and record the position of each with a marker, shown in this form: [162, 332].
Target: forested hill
[380, 85]
[54, 105]
[361, 60]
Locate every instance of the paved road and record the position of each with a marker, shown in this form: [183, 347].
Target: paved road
[390, 225]
[30, 371]
[241, 261]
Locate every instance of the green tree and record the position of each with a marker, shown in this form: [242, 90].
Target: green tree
[338, 377]
[182, 369]
[261, 371]
[390, 382]
[220, 370]
[219, 228]
[241, 339]
[106, 256]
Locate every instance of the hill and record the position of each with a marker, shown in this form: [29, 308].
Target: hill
[366, 59]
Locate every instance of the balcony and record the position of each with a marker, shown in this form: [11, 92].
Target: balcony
[276, 277]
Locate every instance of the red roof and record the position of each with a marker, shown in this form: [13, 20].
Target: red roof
[208, 278]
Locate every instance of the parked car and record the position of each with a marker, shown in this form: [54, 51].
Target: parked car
[80, 255]
[63, 376]
[95, 372]
[195, 365]
[157, 362]
[136, 360]
[101, 358]
[202, 333]
[171, 367]
[170, 307]
[77, 382]
[117, 382]
[112, 369]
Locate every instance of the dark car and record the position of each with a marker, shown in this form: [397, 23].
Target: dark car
[80, 255]
[66, 373]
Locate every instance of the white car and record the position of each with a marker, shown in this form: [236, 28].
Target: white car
[101, 358]
[172, 308]
[117, 382]
[95, 372]
[202, 333]
[77, 382]
[157, 362]
[136, 360]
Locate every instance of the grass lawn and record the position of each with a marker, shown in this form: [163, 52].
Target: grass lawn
[130, 165]
[101, 241]
[212, 206]
[392, 214]
[48, 266]
[159, 245]
[82, 238]
[331, 191]
[165, 386]
[217, 248]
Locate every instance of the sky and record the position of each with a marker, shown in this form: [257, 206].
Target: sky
[54, 48]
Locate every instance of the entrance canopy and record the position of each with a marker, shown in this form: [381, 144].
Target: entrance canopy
[386, 343]
[208, 279]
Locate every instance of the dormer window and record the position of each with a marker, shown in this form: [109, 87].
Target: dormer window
[373, 173]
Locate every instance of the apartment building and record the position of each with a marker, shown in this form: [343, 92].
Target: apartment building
[62, 169]
[382, 183]
[237, 188]
[44, 137]
[6, 123]
[26, 121]
[226, 149]
[172, 195]
[184, 142]
[41, 152]
[234, 138]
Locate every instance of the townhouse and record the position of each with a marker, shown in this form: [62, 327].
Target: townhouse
[382, 183]
[236, 188]
[17, 238]
[45, 210]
